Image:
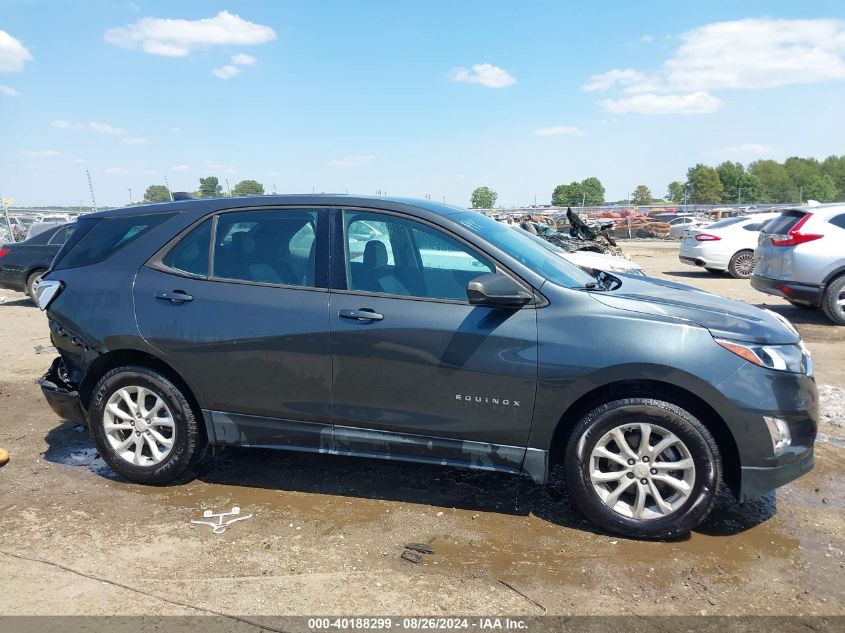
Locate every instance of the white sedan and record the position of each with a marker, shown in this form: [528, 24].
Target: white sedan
[679, 225]
[726, 245]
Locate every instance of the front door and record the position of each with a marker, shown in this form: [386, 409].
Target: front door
[419, 372]
[250, 331]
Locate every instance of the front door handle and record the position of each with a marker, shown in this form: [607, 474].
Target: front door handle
[363, 315]
[174, 296]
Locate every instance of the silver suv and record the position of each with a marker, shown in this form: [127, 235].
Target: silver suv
[800, 256]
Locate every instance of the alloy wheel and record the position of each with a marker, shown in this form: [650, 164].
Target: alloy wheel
[642, 471]
[139, 426]
[744, 264]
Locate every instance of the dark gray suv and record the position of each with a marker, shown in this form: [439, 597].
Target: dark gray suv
[409, 330]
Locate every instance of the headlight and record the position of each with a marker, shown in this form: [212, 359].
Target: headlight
[793, 358]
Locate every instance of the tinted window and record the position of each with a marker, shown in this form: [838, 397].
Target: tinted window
[838, 220]
[60, 237]
[782, 224]
[190, 255]
[274, 247]
[108, 236]
[407, 258]
[754, 226]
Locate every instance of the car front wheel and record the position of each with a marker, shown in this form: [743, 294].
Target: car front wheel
[643, 468]
[143, 426]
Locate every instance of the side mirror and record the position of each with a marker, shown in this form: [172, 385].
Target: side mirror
[496, 291]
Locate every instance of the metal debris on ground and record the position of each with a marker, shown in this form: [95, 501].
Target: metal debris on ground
[411, 556]
[420, 547]
[45, 349]
[219, 526]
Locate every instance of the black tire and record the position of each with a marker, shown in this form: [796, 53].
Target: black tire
[739, 266]
[698, 441]
[713, 271]
[833, 294]
[31, 280]
[188, 440]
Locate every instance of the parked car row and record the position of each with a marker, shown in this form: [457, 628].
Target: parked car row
[797, 254]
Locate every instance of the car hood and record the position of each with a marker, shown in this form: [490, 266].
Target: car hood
[723, 317]
[600, 261]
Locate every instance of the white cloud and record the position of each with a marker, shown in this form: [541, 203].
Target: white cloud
[647, 39]
[747, 150]
[177, 38]
[134, 140]
[181, 167]
[61, 123]
[226, 72]
[758, 53]
[559, 130]
[80, 160]
[693, 103]
[105, 128]
[8, 91]
[40, 153]
[13, 54]
[483, 74]
[117, 170]
[214, 166]
[738, 55]
[352, 161]
[242, 59]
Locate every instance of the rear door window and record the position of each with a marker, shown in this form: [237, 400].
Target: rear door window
[269, 247]
[108, 236]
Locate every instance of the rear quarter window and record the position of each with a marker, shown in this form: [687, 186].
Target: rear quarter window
[104, 237]
[838, 220]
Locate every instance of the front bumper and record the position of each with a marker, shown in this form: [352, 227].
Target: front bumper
[61, 396]
[758, 481]
[791, 290]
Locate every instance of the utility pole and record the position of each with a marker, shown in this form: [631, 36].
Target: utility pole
[739, 196]
[167, 184]
[583, 200]
[8, 221]
[800, 194]
[129, 189]
[227, 187]
[91, 189]
[274, 188]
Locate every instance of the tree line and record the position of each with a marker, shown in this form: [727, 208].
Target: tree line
[768, 181]
[763, 181]
[210, 187]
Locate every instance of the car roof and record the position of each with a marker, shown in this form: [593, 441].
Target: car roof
[307, 199]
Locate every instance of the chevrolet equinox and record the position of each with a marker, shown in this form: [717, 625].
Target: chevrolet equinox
[410, 330]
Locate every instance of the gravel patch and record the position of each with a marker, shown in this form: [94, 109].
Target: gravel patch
[832, 401]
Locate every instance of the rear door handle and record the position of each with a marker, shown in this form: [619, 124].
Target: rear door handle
[363, 315]
[174, 296]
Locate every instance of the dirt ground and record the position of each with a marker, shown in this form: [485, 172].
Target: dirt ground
[327, 533]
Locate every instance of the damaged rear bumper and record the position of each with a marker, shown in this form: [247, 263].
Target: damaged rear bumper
[60, 395]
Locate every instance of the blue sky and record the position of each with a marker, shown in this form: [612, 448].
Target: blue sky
[411, 98]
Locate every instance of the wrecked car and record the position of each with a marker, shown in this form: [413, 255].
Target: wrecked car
[411, 330]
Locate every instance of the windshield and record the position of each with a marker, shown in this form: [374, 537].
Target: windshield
[538, 257]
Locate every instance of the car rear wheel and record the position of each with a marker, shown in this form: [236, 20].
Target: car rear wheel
[741, 265]
[32, 281]
[144, 426]
[833, 303]
[643, 468]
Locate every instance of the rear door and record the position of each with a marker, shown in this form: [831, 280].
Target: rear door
[419, 372]
[238, 305]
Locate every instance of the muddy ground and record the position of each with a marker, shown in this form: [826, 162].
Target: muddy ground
[327, 533]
